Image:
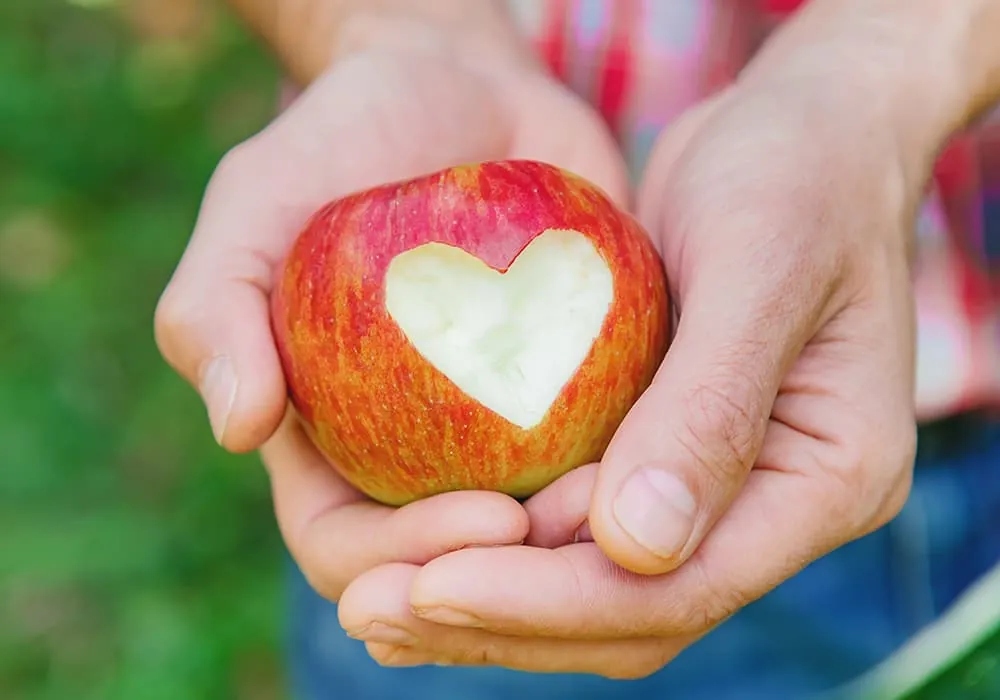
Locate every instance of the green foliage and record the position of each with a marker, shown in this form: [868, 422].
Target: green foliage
[137, 560]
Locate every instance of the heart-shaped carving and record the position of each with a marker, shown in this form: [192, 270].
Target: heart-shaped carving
[509, 340]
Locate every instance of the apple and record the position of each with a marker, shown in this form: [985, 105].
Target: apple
[487, 327]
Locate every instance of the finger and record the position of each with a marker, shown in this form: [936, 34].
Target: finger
[747, 308]
[780, 522]
[626, 660]
[558, 513]
[668, 150]
[335, 534]
[212, 323]
[579, 141]
[376, 609]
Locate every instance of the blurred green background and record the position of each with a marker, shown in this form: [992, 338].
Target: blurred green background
[137, 560]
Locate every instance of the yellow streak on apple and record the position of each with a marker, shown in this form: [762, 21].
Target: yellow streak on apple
[509, 340]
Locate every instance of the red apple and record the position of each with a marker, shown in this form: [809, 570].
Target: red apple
[483, 327]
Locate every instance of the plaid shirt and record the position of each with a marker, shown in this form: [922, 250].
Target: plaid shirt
[642, 62]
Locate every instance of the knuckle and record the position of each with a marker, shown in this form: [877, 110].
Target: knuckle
[629, 673]
[181, 312]
[173, 320]
[634, 669]
[242, 166]
[179, 324]
[850, 471]
[387, 655]
[873, 474]
[893, 489]
[328, 587]
[320, 571]
[478, 655]
[904, 440]
[891, 448]
[716, 602]
[238, 159]
[719, 433]
[894, 501]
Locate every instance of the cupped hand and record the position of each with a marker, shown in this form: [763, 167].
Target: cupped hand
[779, 427]
[400, 102]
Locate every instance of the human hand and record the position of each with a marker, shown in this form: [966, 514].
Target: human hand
[404, 98]
[780, 425]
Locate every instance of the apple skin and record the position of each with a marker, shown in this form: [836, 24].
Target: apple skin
[388, 421]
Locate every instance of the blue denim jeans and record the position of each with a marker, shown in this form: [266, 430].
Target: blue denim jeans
[822, 628]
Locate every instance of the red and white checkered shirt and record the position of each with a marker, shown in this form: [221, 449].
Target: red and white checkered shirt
[643, 62]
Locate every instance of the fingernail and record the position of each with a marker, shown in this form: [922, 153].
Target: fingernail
[448, 616]
[218, 391]
[381, 633]
[657, 510]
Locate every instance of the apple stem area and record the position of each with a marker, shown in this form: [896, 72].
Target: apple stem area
[510, 340]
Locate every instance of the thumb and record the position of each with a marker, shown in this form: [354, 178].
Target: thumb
[212, 323]
[684, 451]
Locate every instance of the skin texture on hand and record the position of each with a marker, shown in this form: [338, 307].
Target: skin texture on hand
[930, 68]
[366, 121]
[308, 35]
[780, 425]
[781, 422]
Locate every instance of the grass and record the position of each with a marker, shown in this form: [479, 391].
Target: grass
[137, 560]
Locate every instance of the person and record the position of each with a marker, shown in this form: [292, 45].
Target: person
[758, 527]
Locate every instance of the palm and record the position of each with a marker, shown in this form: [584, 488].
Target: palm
[845, 390]
[374, 119]
[370, 120]
[853, 374]
[786, 397]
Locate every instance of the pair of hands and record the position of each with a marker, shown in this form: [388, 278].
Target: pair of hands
[779, 427]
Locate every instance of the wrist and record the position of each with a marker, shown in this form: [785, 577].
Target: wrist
[308, 35]
[917, 70]
[481, 37]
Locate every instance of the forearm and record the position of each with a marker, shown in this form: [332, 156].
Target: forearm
[929, 67]
[306, 35]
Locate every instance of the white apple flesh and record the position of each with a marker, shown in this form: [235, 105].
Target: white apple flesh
[488, 326]
[511, 341]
